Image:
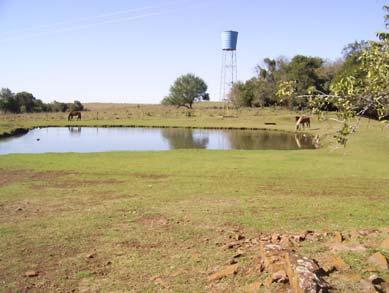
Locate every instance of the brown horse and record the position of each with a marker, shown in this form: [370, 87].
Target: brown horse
[302, 121]
[74, 114]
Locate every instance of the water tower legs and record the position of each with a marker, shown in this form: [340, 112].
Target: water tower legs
[229, 74]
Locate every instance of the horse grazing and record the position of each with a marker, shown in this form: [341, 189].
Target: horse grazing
[302, 121]
[74, 114]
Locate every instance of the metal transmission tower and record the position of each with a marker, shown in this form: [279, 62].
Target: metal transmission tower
[229, 70]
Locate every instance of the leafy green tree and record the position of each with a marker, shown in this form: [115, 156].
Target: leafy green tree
[362, 90]
[58, 107]
[264, 94]
[355, 49]
[25, 101]
[242, 94]
[303, 70]
[76, 106]
[39, 106]
[268, 70]
[327, 73]
[352, 63]
[186, 90]
[8, 101]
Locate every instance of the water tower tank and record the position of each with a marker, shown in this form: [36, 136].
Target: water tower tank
[229, 40]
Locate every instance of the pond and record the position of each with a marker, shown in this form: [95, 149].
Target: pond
[90, 139]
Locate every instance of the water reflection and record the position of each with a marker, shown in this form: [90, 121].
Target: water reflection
[251, 140]
[185, 138]
[84, 139]
[75, 131]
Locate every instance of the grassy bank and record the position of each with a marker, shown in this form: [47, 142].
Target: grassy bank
[204, 115]
[147, 221]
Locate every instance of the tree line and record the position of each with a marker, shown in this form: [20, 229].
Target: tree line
[306, 72]
[25, 102]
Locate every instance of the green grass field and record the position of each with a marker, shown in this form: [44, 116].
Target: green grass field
[148, 221]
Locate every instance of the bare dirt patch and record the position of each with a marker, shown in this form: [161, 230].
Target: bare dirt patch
[78, 183]
[149, 176]
[30, 209]
[153, 220]
[14, 176]
[136, 244]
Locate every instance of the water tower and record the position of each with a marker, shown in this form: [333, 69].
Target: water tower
[229, 70]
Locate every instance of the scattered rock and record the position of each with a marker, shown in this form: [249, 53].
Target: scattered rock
[367, 287]
[267, 283]
[385, 244]
[285, 242]
[275, 238]
[280, 277]
[379, 260]
[232, 245]
[273, 256]
[91, 255]
[374, 284]
[299, 238]
[303, 273]
[254, 241]
[227, 271]
[351, 277]
[336, 262]
[247, 240]
[365, 233]
[261, 266]
[375, 280]
[308, 232]
[314, 236]
[31, 274]
[338, 237]
[239, 253]
[239, 237]
[253, 287]
[382, 287]
[354, 235]
[352, 247]
[372, 278]
[264, 238]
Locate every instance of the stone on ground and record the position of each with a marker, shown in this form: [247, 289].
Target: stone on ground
[31, 274]
[385, 244]
[225, 272]
[335, 262]
[379, 260]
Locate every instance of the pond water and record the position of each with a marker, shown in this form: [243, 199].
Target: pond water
[89, 139]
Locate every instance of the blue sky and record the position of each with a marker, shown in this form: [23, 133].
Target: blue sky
[132, 51]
